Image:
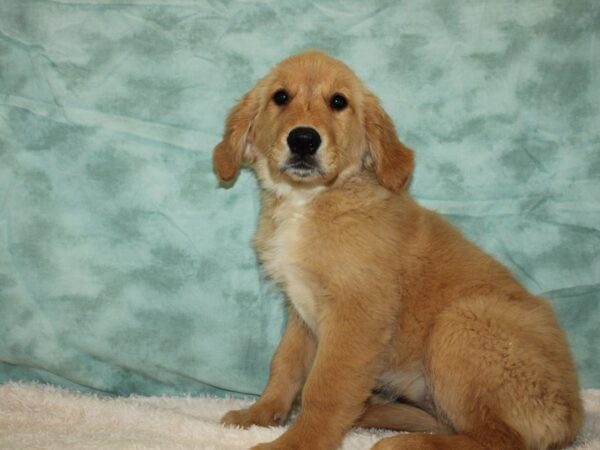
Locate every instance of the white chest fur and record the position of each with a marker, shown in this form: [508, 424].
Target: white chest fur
[283, 255]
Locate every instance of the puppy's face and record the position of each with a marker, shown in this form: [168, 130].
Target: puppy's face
[308, 129]
[311, 122]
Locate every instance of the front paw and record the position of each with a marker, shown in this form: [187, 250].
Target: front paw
[267, 446]
[295, 441]
[261, 414]
[275, 445]
[386, 444]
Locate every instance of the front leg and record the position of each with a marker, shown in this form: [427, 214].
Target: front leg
[289, 368]
[351, 352]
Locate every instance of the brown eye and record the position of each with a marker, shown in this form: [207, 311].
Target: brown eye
[281, 97]
[338, 102]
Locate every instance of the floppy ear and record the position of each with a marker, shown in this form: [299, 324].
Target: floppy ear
[392, 161]
[235, 147]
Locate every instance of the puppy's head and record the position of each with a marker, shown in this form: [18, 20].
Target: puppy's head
[311, 122]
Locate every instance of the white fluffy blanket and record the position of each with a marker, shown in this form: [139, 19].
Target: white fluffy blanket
[35, 416]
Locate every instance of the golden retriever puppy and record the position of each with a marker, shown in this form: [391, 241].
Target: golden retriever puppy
[395, 320]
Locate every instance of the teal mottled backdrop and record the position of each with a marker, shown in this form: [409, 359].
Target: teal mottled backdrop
[125, 268]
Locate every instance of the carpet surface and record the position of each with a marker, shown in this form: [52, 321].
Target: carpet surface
[36, 416]
[125, 268]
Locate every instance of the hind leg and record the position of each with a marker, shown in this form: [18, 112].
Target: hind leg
[486, 433]
[432, 442]
[400, 417]
[502, 374]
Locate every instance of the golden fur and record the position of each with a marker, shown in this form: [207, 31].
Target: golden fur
[395, 320]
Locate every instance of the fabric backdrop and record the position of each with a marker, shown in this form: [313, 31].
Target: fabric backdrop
[125, 268]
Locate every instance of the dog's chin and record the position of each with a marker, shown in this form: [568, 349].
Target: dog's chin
[302, 171]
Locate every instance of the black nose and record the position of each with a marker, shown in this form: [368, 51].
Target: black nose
[303, 141]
